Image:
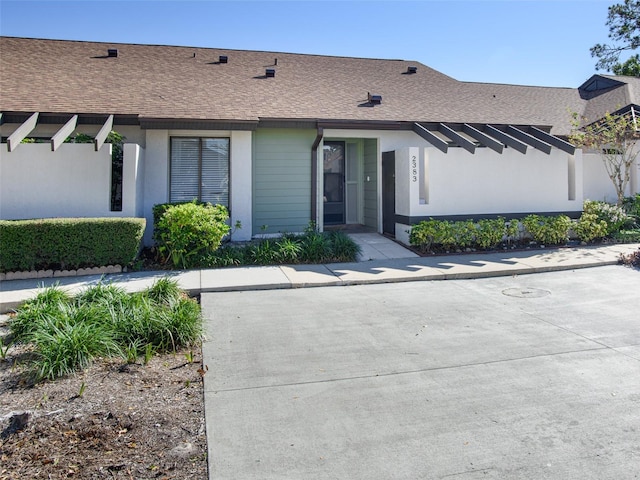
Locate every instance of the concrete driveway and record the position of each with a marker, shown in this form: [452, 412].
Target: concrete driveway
[531, 377]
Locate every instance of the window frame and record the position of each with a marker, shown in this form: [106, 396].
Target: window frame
[200, 139]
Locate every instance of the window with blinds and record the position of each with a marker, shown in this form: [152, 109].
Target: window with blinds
[200, 170]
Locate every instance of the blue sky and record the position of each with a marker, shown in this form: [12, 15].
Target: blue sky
[528, 42]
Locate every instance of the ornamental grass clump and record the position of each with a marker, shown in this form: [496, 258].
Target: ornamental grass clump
[66, 344]
[67, 333]
[343, 248]
[310, 247]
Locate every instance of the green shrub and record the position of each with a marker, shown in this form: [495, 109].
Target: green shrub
[548, 230]
[589, 227]
[189, 231]
[69, 243]
[159, 210]
[613, 215]
[464, 233]
[513, 231]
[490, 232]
[424, 235]
[67, 333]
[427, 235]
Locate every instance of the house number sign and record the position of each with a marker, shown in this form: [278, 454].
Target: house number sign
[414, 168]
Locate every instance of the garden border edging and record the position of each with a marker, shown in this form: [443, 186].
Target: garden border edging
[33, 274]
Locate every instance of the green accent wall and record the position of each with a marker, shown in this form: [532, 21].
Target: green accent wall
[371, 187]
[281, 180]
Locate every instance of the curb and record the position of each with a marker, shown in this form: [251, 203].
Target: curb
[11, 305]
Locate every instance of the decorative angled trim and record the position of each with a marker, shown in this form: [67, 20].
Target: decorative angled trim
[103, 133]
[508, 140]
[552, 140]
[529, 139]
[456, 137]
[21, 132]
[483, 138]
[431, 138]
[62, 134]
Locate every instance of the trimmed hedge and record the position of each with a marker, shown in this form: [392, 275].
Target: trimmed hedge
[69, 243]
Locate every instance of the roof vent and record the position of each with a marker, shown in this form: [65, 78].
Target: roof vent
[374, 99]
[223, 59]
[270, 72]
[412, 69]
[112, 52]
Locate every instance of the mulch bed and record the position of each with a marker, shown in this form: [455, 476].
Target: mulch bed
[112, 421]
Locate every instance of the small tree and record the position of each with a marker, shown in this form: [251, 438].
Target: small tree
[614, 136]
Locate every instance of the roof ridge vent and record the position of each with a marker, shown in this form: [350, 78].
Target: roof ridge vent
[112, 52]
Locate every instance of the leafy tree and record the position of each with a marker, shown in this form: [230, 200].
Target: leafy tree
[630, 68]
[623, 21]
[614, 136]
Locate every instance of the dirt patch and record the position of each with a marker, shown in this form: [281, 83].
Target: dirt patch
[113, 420]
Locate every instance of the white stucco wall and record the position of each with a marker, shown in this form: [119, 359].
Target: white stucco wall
[133, 181]
[461, 183]
[73, 181]
[156, 176]
[598, 185]
[241, 189]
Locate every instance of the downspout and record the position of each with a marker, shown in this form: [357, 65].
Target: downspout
[314, 176]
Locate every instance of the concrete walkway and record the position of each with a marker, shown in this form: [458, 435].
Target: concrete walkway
[392, 263]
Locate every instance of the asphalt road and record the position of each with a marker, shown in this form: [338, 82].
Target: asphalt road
[524, 377]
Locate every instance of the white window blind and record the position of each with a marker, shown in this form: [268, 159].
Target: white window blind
[214, 186]
[200, 170]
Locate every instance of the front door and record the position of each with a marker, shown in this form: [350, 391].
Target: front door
[333, 167]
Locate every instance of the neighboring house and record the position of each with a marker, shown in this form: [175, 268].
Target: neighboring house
[284, 139]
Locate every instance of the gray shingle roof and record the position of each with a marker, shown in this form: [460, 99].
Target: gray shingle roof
[167, 82]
